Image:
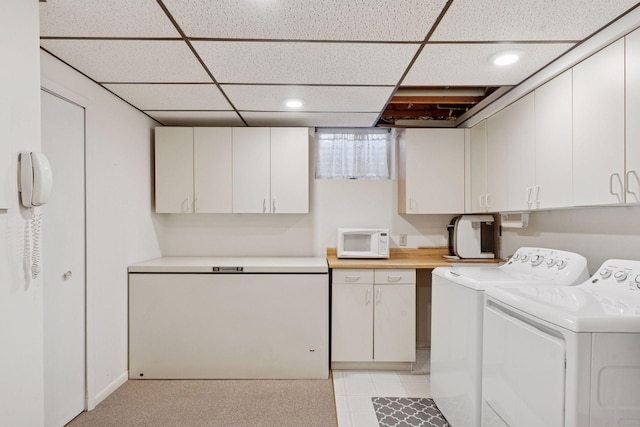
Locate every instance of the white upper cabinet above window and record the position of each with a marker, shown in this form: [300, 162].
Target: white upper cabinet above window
[174, 169]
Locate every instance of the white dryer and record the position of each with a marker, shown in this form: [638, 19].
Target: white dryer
[456, 321]
[567, 356]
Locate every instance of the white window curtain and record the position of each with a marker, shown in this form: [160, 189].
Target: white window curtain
[361, 153]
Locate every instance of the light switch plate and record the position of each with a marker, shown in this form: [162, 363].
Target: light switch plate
[403, 240]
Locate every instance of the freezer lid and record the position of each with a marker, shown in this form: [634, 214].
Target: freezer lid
[576, 308]
[235, 265]
[482, 278]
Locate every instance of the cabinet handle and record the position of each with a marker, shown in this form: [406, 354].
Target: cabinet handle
[378, 295]
[529, 193]
[368, 298]
[196, 204]
[273, 206]
[537, 196]
[264, 205]
[488, 205]
[618, 195]
[350, 278]
[394, 278]
[626, 183]
[411, 205]
[186, 203]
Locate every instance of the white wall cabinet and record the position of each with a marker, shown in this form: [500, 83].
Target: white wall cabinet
[632, 141]
[599, 127]
[431, 171]
[270, 170]
[553, 144]
[497, 173]
[520, 154]
[478, 167]
[373, 315]
[193, 170]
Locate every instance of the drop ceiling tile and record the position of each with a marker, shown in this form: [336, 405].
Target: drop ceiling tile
[385, 20]
[468, 64]
[315, 98]
[196, 118]
[310, 119]
[306, 63]
[99, 18]
[130, 60]
[514, 20]
[172, 96]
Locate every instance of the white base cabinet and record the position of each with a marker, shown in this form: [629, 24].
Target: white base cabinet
[224, 326]
[373, 315]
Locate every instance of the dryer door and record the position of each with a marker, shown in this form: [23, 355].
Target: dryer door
[523, 371]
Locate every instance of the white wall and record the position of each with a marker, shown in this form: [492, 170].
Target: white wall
[596, 233]
[333, 204]
[21, 336]
[120, 229]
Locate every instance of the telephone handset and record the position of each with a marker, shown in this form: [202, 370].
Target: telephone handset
[35, 185]
[35, 179]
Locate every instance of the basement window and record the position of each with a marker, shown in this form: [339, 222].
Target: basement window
[353, 153]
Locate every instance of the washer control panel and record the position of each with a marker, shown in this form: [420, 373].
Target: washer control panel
[619, 272]
[550, 263]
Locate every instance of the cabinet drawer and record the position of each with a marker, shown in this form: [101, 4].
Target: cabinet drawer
[395, 276]
[361, 275]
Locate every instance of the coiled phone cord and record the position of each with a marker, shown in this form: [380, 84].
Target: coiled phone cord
[36, 222]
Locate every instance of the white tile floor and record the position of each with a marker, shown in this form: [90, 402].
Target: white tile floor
[354, 390]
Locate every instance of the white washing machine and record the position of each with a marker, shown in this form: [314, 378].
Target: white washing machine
[456, 321]
[567, 356]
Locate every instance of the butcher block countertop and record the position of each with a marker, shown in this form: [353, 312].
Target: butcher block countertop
[404, 258]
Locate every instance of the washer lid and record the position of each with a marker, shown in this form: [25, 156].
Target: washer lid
[482, 278]
[582, 308]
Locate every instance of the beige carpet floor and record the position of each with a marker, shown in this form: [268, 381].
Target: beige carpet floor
[228, 403]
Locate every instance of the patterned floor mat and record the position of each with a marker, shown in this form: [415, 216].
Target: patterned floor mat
[408, 412]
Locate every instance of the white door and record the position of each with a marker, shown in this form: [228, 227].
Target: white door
[520, 154]
[352, 323]
[63, 262]
[632, 98]
[479, 167]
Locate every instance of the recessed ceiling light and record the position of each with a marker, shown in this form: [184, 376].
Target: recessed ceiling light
[293, 102]
[508, 57]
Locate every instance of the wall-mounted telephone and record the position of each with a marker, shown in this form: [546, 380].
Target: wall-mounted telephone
[35, 185]
[35, 179]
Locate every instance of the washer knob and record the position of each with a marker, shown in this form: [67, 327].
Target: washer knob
[621, 276]
[638, 281]
[605, 273]
[550, 262]
[536, 260]
[516, 257]
[561, 263]
[524, 258]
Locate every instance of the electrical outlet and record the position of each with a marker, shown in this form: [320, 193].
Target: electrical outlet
[403, 240]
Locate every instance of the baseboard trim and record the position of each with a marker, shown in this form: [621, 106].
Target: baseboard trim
[103, 394]
[384, 366]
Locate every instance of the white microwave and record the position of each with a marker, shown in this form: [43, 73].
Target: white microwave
[363, 243]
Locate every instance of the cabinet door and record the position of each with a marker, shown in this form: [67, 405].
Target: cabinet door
[251, 170]
[289, 170]
[632, 158]
[598, 127]
[394, 323]
[520, 154]
[212, 176]
[352, 322]
[174, 169]
[478, 167]
[554, 141]
[434, 171]
[497, 172]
